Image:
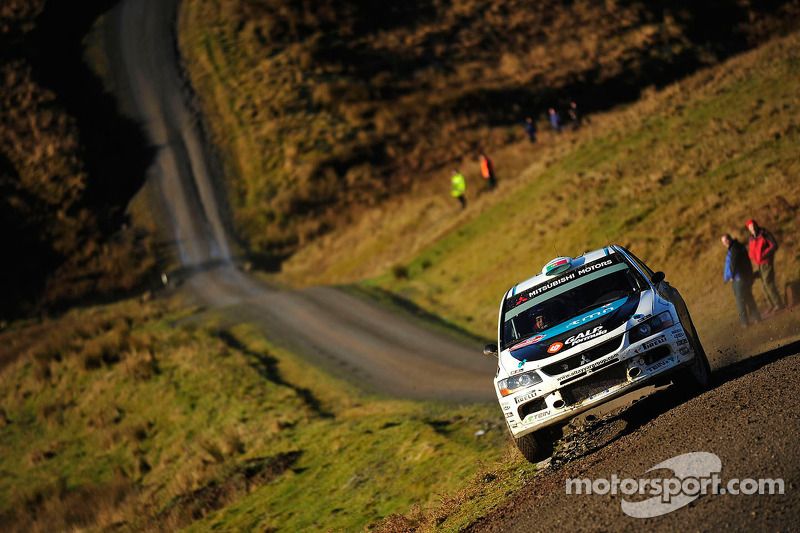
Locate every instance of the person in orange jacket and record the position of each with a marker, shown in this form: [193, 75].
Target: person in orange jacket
[761, 249]
[487, 171]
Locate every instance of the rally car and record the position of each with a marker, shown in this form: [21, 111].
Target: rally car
[584, 331]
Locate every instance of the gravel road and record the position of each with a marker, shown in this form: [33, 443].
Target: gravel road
[373, 347]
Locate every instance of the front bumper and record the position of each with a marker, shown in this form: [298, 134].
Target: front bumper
[562, 396]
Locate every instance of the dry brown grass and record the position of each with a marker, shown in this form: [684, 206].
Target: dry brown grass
[54, 213]
[321, 112]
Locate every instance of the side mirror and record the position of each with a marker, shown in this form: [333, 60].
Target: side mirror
[658, 277]
[490, 350]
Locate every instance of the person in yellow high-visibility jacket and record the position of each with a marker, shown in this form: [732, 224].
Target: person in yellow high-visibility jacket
[458, 188]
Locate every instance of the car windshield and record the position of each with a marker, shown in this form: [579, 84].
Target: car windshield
[577, 292]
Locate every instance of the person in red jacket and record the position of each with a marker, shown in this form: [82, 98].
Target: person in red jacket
[761, 249]
[487, 171]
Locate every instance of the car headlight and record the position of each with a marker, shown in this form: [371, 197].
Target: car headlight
[650, 327]
[520, 381]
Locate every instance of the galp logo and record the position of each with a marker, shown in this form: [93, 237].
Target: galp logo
[689, 466]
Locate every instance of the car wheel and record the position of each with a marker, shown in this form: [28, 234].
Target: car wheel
[697, 375]
[533, 447]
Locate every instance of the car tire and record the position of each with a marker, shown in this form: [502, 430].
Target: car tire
[533, 447]
[697, 375]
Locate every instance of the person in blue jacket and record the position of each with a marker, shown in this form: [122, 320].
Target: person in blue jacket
[739, 272]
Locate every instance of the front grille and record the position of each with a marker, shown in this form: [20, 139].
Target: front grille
[583, 358]
[656, 354]
[596, 382]
[531, 407]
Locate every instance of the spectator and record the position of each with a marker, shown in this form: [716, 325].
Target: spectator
[762, 248]
[487, 171]
[459, 188]
[555, 120]
[574, 116]
[740, 273]
[530, 129]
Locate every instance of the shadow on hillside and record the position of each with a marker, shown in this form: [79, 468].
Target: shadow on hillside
[117, 152]
[113, 151]
[267, 367]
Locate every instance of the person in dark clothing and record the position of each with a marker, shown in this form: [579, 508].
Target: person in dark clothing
[574, 115]
[487, 171]
[530, 129]
[740, 273]
[761, 248]
[555, 120]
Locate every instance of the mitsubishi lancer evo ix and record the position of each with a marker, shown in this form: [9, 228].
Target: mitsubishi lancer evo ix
[583, 332]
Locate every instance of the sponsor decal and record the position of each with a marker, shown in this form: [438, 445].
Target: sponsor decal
[599, 362]
[653, 343]
[527, 342]
[506, 407]
[522, 363]
[509, 415]
[678, 333]
[555, 347]
[660, 364]
[520, 300]
[525, 398]
[685, 350]
[541, 414]
[587, 335]
[682, 342]
[606, 309]
[570, 276]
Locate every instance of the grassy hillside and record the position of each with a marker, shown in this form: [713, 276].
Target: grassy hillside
[665, 176]
[321, 111]
[68, 166]
[139, 416]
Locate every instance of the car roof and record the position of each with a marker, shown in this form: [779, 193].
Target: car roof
[541, 278]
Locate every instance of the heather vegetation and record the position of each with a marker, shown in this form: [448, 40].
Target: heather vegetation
[322, 109]
[68, 166]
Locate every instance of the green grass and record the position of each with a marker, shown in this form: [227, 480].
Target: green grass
[134, 415]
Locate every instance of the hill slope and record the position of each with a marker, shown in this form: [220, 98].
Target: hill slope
[320, 111]
[665, 177]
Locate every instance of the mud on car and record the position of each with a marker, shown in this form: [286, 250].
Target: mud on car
[584, 331]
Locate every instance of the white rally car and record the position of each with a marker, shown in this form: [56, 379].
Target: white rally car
[583, 332]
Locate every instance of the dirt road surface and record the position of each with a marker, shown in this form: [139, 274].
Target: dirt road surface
[750, 419]
[348, 336]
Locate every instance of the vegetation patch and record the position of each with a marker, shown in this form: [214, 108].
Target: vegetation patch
[131, 416]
